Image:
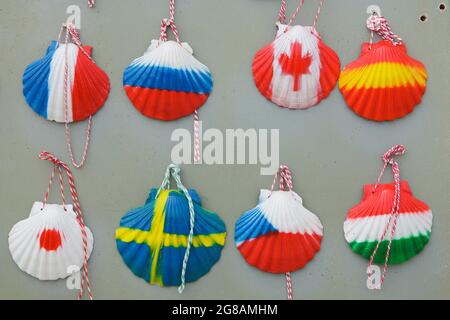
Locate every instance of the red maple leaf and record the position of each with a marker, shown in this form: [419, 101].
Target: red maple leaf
[296, 65]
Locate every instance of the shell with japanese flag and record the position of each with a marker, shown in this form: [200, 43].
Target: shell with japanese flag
[297, 70]
[54, 242]
[366, 222]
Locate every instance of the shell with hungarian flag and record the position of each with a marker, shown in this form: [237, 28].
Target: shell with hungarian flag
[366, 224]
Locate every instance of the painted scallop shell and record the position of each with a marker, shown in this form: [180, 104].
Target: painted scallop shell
[384, 83]
[279, 235]
[43, 84]
[297, 70]
[49, 242]
[367, 221]
[167, 82]
[152, 239]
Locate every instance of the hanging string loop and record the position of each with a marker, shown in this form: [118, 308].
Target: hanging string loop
[379, 25]
[389, 160]
[62, 168]
[285, 175]
[174, 171]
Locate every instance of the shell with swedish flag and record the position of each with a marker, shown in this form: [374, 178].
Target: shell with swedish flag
[156, 243]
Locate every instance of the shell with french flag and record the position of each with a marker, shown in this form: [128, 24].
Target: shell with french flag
[279, 235]
[366, 224]
[297, 70]
[44, 82]
[167, 82]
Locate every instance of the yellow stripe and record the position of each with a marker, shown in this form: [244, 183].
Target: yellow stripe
[170, 240]
[383, 75]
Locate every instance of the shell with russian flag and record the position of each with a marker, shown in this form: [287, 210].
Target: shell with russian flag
[44, 81]
[167, 82]
[384, 83]
[297, 70]
[279, 235]
[49, 242]
[367, 221]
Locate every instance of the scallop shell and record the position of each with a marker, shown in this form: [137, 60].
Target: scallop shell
[279, 235]
[366, 222]
[297, 70]
[49, 242]
[152, 239]
[43, 84]
[167, 82]
[384, 83]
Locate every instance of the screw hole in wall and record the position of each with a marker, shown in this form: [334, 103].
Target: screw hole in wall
[423, 18]
[442, 7]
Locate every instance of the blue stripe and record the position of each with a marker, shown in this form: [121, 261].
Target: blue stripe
[167, 78]
[200, 262]
[251, 225]
[139, 218]
[137, 257]
[35, 82]
[176, 220]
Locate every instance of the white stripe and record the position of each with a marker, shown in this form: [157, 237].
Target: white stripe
[55, 106]
[371, 229]
[170, 54]
[282, 85]
[284, 211]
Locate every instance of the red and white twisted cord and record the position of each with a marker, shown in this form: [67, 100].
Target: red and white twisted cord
[388, 159]
[197, 139]
[319, 11]
[380, 25]
[170, 22]
[72, 32]
[285, 175]
[63, 167]
[91, 3]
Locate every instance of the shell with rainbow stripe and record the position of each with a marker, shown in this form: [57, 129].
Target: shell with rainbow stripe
[384, 83]
[279, 235]
[167, 82]
[152, 239]
[43, 83]
[297, 70]
[367, 221]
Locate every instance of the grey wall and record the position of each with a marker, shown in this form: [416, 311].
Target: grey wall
[331, 151]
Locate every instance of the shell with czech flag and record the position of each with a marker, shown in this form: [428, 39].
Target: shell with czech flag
[297, 70]
[367, 221]
[279, 235]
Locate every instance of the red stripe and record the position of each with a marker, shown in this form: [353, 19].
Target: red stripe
[381, 202]
[262, 68]
[329, 72]
[164, 104]
[384, 51]
[90, 89]
[280, 252]
[383, 104]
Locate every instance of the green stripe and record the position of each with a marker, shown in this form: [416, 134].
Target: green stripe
[401, 250]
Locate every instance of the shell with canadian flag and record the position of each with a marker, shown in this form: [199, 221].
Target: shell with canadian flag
[367, 221]
[279, 235]
[297, 70]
